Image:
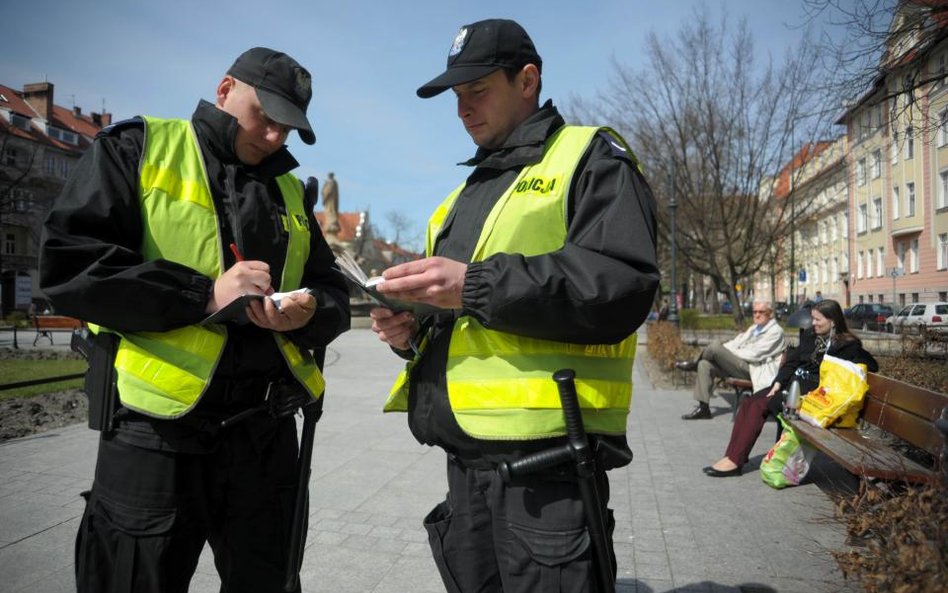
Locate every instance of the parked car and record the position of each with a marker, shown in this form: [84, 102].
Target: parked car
[782, 310]
[916, 316]
[868, 316]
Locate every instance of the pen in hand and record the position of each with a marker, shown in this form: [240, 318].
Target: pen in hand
[236, 252]
[240, 258]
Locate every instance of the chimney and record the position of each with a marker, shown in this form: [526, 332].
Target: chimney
[39, 95]
[102, 120]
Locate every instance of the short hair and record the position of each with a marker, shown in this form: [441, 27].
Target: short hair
[515, 70]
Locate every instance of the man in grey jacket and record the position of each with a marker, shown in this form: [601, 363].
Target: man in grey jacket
[753, 355]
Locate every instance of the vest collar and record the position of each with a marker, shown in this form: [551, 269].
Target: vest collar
[218, 130]
[525, 144]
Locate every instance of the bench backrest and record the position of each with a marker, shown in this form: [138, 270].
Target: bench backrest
[906, 411]
[56, 322]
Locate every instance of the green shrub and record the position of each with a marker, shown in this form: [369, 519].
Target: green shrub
[688, 318]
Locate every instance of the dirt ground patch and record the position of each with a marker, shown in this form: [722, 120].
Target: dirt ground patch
[23, 416]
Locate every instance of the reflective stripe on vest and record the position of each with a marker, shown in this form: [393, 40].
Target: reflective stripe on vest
[164, 374]
[499, 384]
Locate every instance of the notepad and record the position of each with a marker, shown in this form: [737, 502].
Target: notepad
[236, 310]
[369, 285]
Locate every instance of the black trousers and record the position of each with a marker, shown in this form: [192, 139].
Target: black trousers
[149, 513]
[528, 536]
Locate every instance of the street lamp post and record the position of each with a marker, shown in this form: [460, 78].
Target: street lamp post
[672, 205]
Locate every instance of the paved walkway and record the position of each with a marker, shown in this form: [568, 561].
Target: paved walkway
[677, 530]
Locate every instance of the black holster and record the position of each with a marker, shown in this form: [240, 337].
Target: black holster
[100, 387]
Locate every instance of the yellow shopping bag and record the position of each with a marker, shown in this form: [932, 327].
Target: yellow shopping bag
[838, 399]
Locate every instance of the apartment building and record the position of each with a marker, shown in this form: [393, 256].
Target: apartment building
[39, 144]
[898, 170]
[816, 185]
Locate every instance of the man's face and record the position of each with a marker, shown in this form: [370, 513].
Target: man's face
[762, 313]
[492, 107]
[258, 136]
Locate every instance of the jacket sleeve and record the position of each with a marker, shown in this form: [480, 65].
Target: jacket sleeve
[766, 346]
[599, 287]
[330, 289]
[90, 261]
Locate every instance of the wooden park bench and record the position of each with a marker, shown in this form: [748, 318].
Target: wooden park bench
[743, 388]
[45, 324]
[901, 409]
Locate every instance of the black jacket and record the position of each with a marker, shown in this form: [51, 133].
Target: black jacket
[805, 358]
[597, 289]
[91, 265]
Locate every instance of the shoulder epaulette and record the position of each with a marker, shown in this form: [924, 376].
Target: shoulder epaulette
[117, 127]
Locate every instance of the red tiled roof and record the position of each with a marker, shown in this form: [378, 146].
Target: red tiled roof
[63, 118]
[348, 224]
[810, 151]
[396, 249]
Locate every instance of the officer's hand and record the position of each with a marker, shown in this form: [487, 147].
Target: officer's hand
[395, 329]
[434, 280]
[247, 277]
[296, 309]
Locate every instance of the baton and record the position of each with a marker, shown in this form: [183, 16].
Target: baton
[294, 559]
[577, 451]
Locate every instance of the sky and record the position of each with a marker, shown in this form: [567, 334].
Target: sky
[390, 151]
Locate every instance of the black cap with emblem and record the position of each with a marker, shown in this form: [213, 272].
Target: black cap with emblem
[283, 87]
[481, 48]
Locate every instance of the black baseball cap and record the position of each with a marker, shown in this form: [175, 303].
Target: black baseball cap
[283, 87]
[481, 48]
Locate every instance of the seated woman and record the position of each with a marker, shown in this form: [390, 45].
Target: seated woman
[828, 335]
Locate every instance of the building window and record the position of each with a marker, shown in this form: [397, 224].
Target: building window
[877, 213]
[62, 135]
[862, 221]
[943, 190]
[50, 165]
[832, 224]
[845, 226]
[880, 261]
[859, 265]
[895, 202]
[9, 244]
[10, 156]
[910, 199]
[861, 172]
[834, 271]
[870, 255]
[909, 143]
[876, 163]
[913, 257]
[943, 128]
[941, 71]
[64, 167]
[24, 123]
[900, 255]
[894, 148]
[942, 252]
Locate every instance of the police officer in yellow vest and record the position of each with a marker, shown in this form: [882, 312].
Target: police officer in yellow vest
[544, 258]
[163, 223]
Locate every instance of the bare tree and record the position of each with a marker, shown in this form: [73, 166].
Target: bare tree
[864, 41]
[712, 123]
[406, 233]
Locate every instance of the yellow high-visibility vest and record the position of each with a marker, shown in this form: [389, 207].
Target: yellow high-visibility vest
[164, 374]
[500, 384]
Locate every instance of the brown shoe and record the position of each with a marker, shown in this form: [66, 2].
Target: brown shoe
[701, 412]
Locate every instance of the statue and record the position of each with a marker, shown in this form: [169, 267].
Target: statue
[331, 205]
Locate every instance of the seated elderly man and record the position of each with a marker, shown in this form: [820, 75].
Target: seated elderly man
[753, 354]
